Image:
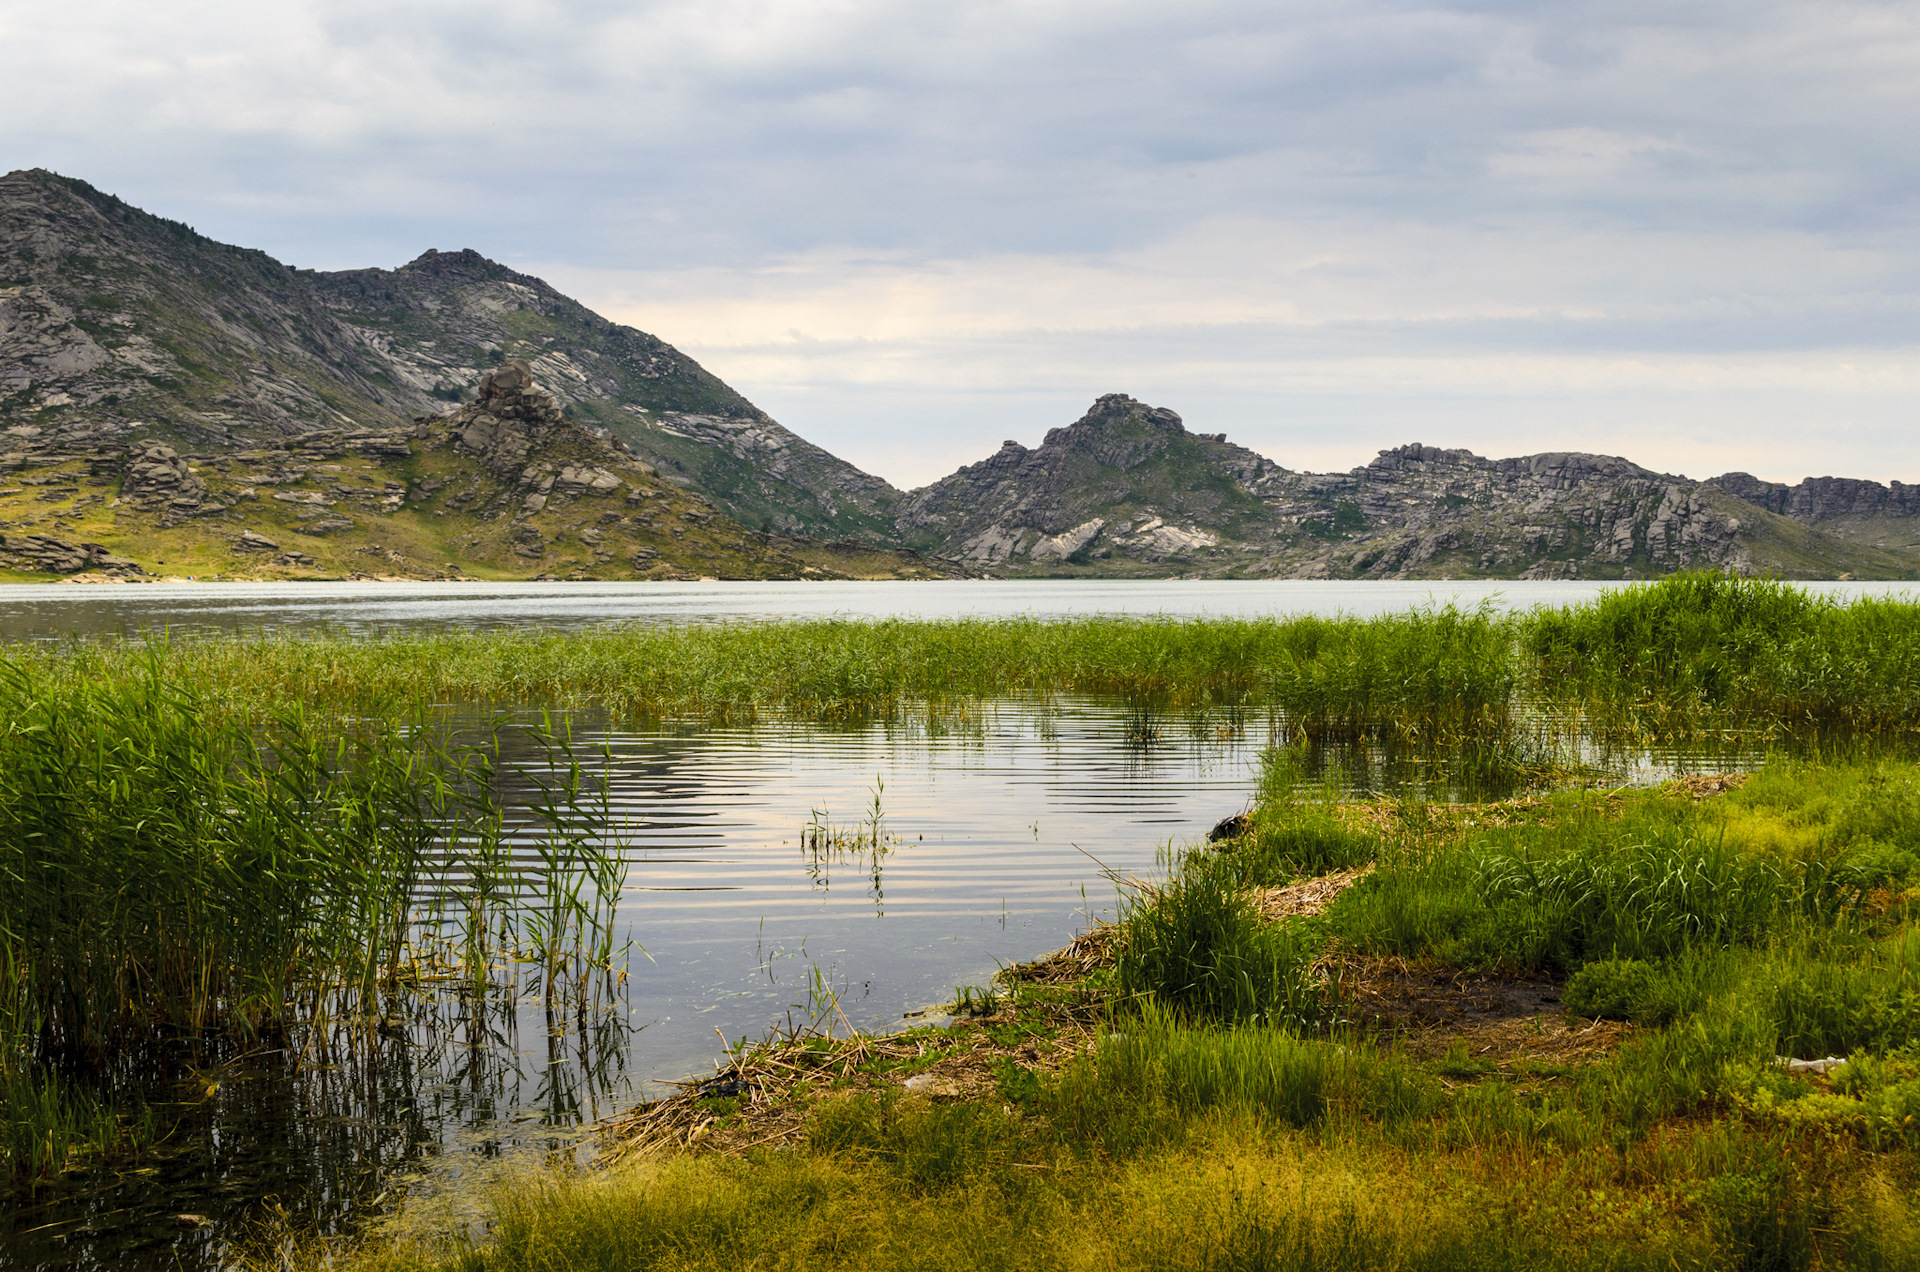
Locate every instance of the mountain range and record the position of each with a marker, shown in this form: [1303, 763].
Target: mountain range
[170, 404]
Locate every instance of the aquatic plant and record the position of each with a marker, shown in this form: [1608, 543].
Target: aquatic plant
[1689, 656]
[172, 873]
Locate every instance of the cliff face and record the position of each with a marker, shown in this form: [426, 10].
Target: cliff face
[1127, 490]
[113, 321]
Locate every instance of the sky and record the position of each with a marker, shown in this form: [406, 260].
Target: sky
[1680, 232]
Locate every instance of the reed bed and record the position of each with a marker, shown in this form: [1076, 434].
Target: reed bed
[1442, 672]
[179, 880]
[1692, 656]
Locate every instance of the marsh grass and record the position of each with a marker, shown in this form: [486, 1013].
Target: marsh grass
[1697, 653]
[179, 877]
[1227, 1116]
[1442, 672]
[1504, 697]
[1196, 946]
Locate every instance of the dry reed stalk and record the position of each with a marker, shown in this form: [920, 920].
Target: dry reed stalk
[1310, 897]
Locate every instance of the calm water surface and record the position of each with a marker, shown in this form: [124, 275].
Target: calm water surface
[992, 818]
[52, 611]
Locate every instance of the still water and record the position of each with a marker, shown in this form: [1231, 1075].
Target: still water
[52, 611]
[997, 824]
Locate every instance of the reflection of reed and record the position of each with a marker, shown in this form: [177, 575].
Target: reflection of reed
[823, 842]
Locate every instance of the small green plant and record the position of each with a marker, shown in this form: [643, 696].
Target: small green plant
[975, 1000]
[1616, 989]
[1017, 1084]
[1461, 1063]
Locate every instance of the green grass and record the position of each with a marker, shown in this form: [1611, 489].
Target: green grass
[1230, 1113]
[1442, 673]
[1229, 1120]
[1196, 946]
[1696, 650]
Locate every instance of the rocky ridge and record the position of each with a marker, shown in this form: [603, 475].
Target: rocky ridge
[161, 394]
[1127, 490]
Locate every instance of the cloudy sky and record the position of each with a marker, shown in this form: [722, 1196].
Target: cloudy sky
[1683, 232]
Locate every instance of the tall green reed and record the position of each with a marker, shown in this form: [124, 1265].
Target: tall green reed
[1700, 652]
[1195, 946]
[1693, 656]
[171, 872]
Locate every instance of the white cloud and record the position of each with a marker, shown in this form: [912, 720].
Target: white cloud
[1337, 226]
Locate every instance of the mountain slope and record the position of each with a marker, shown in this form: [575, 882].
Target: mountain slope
[442, 317]
[110, 316]
[505, 487]
[1126, 490]
[114, 322]
[1863, 512]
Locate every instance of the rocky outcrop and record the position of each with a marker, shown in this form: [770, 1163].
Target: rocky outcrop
[1420, 509]
[157, 477]
[511, 427]
[44, 554]
[1817, 499]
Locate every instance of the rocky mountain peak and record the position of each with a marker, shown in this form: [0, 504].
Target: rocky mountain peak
[464, 265]
[1119, 432]
[1116, 407]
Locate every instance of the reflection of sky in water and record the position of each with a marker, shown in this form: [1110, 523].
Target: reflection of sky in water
[735, 918]
[981, 823]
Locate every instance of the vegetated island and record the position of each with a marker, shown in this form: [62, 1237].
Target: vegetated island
[1571, 1024]
[150, 378]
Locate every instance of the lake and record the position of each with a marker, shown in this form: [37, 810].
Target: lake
[997, 822]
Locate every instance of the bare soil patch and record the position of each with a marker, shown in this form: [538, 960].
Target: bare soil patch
[1499, 1017]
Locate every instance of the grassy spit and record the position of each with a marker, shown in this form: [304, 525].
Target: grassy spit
[1202, 1086]
[1689, 656]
